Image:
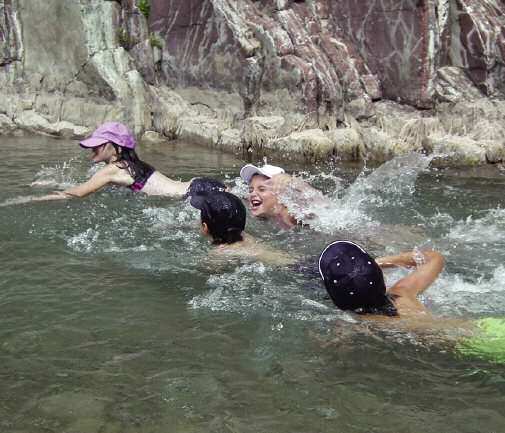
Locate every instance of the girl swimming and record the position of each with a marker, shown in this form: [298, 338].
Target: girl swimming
[223, 219]
[355, 282]
[270, 185]
[114, 144]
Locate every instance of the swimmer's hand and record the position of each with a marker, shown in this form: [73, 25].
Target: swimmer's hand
[57, 195]
[281, 183]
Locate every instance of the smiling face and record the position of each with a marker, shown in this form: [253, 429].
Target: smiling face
[263, 201]
[102, 153]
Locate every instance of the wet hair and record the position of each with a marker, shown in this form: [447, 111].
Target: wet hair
[130, 161]
[224, 214]
[221, 235]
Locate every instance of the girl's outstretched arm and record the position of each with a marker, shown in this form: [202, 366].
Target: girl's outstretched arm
[106, 175]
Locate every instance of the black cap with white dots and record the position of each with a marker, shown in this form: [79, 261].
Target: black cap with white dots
[351, 276]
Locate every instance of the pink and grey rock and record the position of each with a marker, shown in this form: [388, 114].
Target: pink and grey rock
[327, 53]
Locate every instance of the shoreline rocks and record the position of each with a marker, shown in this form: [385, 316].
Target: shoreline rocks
[262, 79]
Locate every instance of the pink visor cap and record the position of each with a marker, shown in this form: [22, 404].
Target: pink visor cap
[248, 171]
[113, 132]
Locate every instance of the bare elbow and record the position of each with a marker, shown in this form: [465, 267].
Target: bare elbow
[436, 257]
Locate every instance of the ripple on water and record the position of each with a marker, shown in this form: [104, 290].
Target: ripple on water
[63, 175]
[252, 289]
[454, 294]
[488, 228]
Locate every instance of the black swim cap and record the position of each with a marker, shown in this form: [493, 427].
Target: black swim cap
[352, 277]
[204, 185]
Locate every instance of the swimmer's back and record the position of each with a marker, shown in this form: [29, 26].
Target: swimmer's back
[159, 184]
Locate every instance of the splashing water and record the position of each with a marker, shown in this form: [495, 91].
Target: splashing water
[488, 228]
[391, 184]
[353, 208]
[110, 294]
[162, 237]
[454, 294]
[61, 176]
[256, 289]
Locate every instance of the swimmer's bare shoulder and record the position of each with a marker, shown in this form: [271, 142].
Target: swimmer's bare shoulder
[280, 183]
[250, 248]
[292, 189]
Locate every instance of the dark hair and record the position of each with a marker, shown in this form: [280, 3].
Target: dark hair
[221, 235]
[224, 214]
[130, 161]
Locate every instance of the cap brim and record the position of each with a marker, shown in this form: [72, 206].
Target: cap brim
[248, 171]
[93, 142]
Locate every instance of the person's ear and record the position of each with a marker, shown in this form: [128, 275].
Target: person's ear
[204, 229]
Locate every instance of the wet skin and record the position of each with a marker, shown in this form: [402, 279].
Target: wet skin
[103, 153]
[263, 201]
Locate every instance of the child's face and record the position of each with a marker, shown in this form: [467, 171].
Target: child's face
[263, 201]
[102, 153]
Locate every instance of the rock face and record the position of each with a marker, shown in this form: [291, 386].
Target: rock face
[329, 53]
[341, 78]
[64, 61]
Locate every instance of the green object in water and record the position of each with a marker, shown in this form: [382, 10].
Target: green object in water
[489, 341]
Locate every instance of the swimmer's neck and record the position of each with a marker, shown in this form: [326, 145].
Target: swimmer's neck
[246, 240]
[112, 159]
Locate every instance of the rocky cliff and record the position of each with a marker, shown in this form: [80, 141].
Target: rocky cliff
[314, 78]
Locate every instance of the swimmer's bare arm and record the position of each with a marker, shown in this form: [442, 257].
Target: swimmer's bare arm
[106, 175]
[419, 279]
[404, 260]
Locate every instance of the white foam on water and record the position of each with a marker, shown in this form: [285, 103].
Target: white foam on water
[182, 215]
[84, 242]
[254, 289]
[352, 208]
[61, 176]
[440, 221]
[453, 294]
[488, 228]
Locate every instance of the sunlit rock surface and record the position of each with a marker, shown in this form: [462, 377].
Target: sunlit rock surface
[315, 78]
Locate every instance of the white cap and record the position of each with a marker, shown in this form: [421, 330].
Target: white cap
[248, 171]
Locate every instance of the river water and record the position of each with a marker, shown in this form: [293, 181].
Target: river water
[114, 321]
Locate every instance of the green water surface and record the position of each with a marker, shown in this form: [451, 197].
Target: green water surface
[113, 321]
